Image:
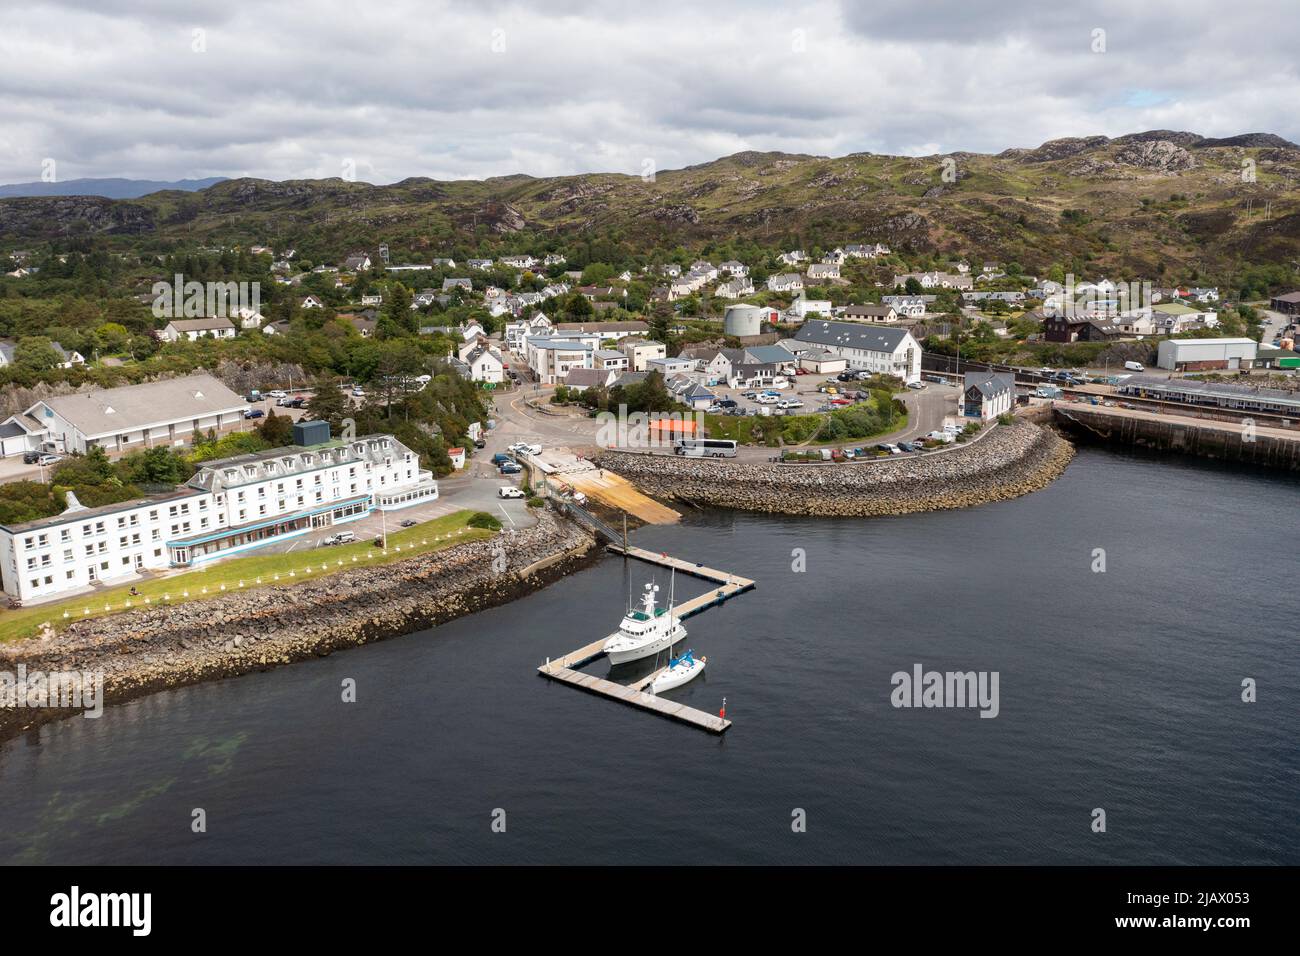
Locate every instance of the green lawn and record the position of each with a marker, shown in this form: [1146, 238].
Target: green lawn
[256, 570]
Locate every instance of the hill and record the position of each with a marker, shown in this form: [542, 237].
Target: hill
[1138, 204]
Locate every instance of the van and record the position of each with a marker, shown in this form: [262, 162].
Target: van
[1134, 366]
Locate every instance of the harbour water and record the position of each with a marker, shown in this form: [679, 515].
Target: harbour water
[1119, 690]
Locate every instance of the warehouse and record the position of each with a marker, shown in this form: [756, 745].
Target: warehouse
[169, 412]
[1193, 355]
[1211, 394]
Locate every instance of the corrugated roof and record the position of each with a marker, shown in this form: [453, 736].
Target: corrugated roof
[851, 335]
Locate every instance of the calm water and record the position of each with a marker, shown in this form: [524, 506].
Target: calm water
[1118, 690]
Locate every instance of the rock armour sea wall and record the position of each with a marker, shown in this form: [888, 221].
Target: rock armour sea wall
[1010, 461]
[145, 650]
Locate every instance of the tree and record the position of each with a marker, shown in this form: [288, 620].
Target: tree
[35, 353]
[276, 430]
[329, 404]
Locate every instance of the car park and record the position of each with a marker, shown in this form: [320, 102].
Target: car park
[510, 491]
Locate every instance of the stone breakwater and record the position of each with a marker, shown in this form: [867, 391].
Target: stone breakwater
[1010, 461]
[147, 650]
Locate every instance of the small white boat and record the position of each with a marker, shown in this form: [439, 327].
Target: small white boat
[678, 672]
[644, 632]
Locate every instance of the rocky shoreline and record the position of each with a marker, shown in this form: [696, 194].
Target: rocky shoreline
[1010, 461]
[147, 650]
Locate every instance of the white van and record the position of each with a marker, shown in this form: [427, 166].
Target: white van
[1134, 366]
[341, 537]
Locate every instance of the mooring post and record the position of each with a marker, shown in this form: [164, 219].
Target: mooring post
[624, 535]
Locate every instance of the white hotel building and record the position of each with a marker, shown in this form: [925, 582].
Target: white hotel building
[888, 351]
[229, 506]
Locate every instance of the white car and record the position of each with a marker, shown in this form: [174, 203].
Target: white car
[916, 385]
[510, 491]
[49, 459]
[276, 393]
[791, 403]
[359, 392]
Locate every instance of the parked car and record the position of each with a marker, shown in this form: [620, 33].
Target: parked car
[276, 393]
[890, 447]
[49, 459]
[358, 392]
[409, 523]
[254, 413]
[908, 446]
[1135, 366]
[510, 491]
[916, 385]
[938, 379]
[30, 457]
[342, 537]
[500, 458]
[480, 443]
[285, 402]
[298, 402]
[728, 403]
[790, 403]
[509, 468]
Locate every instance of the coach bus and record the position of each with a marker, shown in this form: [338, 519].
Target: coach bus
[705, 447]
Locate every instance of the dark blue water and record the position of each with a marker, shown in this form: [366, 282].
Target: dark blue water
[1119, 690]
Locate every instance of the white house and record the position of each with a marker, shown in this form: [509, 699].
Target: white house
[194, 329]
[551, 356]
[785, 282]
[823, 270]
[485, 364]
[312, 302]
[640, 352]
[802, 307]
[516, 332]
[886, 350]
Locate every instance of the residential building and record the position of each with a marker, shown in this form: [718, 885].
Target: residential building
[887, 350]
[581, 379]
[194, 329]
[552, 356]
[640, 352]
[869, 313]
[785, 282]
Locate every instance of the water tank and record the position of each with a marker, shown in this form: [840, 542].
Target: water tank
[744, 320]
[307, 434]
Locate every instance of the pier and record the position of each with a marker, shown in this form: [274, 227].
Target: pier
[565, 668]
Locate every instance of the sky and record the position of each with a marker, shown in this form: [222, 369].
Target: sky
[153, 89]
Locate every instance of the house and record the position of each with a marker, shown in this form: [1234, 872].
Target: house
[753, 374]
[794, 257]
[607, 331]
[449, 284]
[444, 263]
[249, 318]
[691, 393]
[936, 280]
[364, 322]
[640, 352]
[908, 306]
[553, 259]
[228, 507]
[518, 262]
[785, 282]
[372, 300]
[423, 298]
[986, 395]
[312, 302]
[870, 313]
[485, 364]
[581, 379]
[820, 271]
[479, 264]
[516, 332]
[610, 359]
[357, 262]
[886, 350]
[275, 328]
[737, 270]
[552, 356]
[194, 329]
[1171, 318]
[734, 289]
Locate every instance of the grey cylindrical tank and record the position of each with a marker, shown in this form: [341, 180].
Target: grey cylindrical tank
[743, 320]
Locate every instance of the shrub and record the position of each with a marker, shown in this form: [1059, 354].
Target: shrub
[481, 519]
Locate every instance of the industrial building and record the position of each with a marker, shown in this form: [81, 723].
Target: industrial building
[1211, 394]
[986, 395]
[1192, 355]
[169, 412]
[229, 506]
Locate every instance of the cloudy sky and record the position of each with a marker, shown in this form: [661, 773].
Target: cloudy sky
[162, 90]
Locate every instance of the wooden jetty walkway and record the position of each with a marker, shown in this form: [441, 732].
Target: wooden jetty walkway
[565, 669]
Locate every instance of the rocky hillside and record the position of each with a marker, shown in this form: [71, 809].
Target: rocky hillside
[1132, 203]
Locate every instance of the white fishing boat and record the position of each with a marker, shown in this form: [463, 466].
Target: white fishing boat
[645, 631]
[678, 672]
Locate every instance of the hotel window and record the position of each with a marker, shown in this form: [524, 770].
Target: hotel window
[67, 554]
[71, 575]
[90, 549]
[135, 539]
[171, 512]
[261, 509]
[242, 514]
[153, 515]
[121, 542]
[31, 564]
[156, 536]
[65, 534]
